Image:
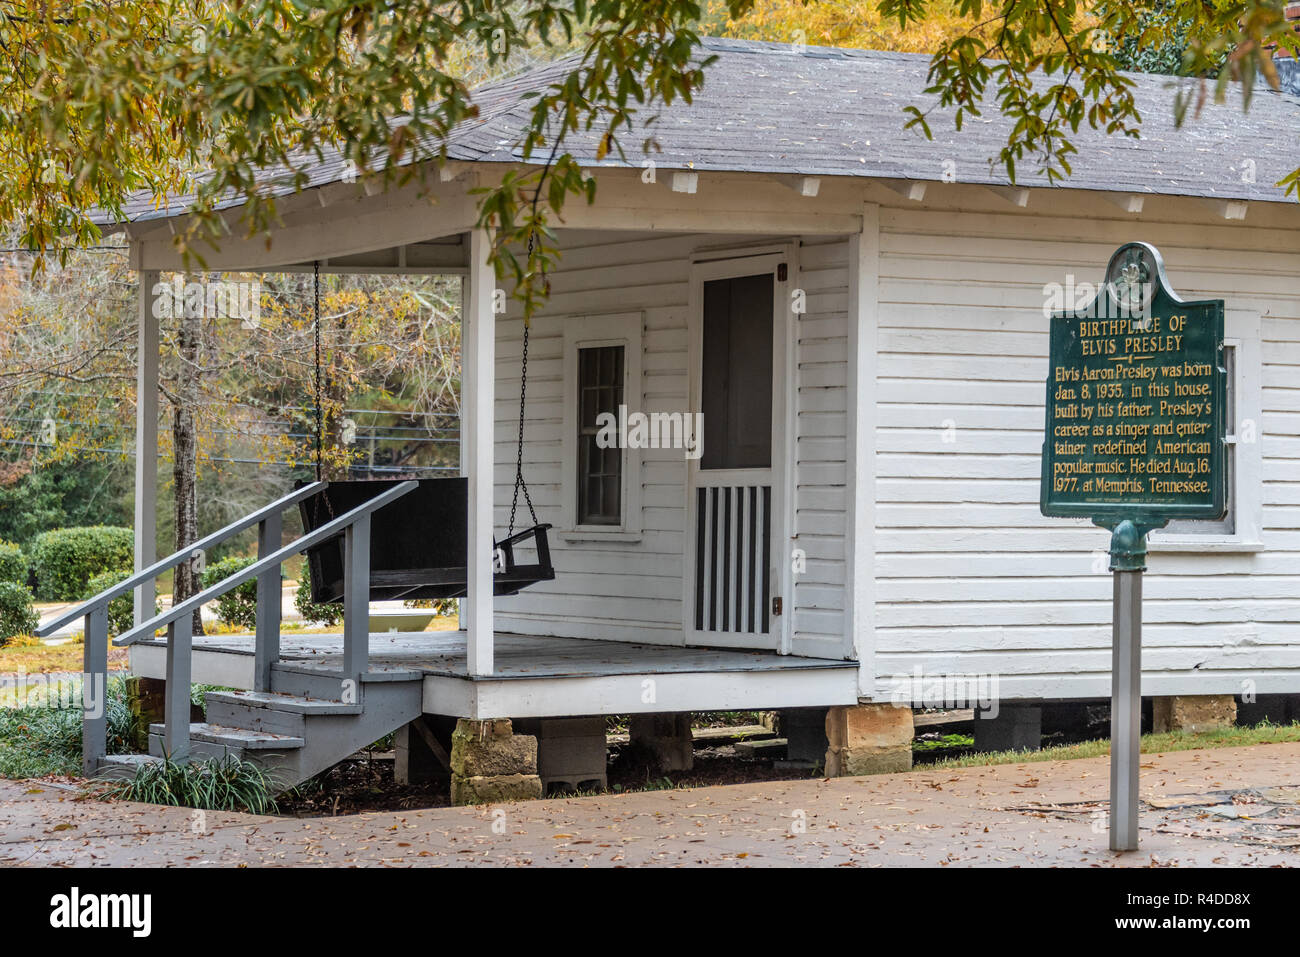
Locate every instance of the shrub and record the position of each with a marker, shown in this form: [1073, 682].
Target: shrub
[214, 784]
[121, 610]
[238, 606]
[13, 565]
[66, 559]
[17, 616]
[328, 614]
[40, 738]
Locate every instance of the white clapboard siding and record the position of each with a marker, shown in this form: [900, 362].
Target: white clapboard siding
[615, 590]
[820, 467]
[971, 579]
[632, 590]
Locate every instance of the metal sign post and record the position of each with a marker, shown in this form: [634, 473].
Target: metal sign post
[1127, 561]
[1136, 400]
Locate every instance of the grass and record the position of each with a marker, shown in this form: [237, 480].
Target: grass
[213, 784]
[45, 659]
[943, 743]
[1265, 733]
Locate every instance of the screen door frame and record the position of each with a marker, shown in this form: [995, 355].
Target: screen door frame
[732, 264]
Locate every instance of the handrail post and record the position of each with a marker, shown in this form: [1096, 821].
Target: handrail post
[356, 598]
[176, 707]
[269, 597]
[94, 691]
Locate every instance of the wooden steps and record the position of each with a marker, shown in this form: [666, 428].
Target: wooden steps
[306, 724]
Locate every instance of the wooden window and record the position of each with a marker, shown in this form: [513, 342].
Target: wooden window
[1242, 526]
[600, 489]
[600, 470]
[1228, 524]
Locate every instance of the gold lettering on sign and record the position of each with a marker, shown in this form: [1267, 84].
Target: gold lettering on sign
[1135, 420]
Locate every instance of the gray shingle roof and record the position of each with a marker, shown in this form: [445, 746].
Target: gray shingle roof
[775, 108]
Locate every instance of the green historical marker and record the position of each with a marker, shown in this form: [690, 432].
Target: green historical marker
[1136, 414]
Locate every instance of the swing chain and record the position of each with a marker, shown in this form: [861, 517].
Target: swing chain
[519, 454]
[320, 416]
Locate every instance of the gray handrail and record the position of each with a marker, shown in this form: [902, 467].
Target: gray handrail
[275, 559]
[158, 567]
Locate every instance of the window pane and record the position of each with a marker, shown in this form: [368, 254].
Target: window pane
[736, 393]
[600, 471]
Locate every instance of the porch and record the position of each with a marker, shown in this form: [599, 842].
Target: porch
[692, 582]
[534, 676]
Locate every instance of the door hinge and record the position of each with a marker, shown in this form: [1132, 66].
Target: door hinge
[776, 607]
[782, 272]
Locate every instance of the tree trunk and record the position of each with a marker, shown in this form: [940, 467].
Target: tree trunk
[185, 461]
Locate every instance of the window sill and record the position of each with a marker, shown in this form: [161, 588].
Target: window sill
[1205, 544]
[596, 535]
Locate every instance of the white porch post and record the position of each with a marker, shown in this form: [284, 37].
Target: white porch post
[864, 284]
[146, 443]
[478, 372]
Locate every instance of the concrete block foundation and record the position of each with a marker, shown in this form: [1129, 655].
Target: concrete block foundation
[804, 730]
[1274, 708]
[1016, 727]
[666, 738]
[571, 752]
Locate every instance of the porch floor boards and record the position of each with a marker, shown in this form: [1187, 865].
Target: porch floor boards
[443, 653]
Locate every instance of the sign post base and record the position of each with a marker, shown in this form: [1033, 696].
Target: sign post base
[1127, 562]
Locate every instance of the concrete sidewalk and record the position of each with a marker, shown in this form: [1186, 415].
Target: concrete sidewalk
[1226, 807]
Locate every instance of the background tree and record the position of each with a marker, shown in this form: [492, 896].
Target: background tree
[239, 395]
[107, 98]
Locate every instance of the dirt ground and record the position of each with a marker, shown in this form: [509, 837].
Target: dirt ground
[1226, 807]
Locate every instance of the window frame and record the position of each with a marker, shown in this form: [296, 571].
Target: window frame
[624, 329]
[1245, 497]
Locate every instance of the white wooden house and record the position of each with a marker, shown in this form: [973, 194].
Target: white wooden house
[859, 315]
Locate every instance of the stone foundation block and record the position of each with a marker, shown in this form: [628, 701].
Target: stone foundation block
[868, 739]
[495, 789]
[1192, 713]
[489, 748]
[490, 763]
[667, 738]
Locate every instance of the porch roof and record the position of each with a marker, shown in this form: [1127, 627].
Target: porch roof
[818, 111]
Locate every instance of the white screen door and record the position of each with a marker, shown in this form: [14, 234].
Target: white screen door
[734, 531]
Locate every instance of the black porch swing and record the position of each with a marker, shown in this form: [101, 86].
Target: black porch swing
[418, 544]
